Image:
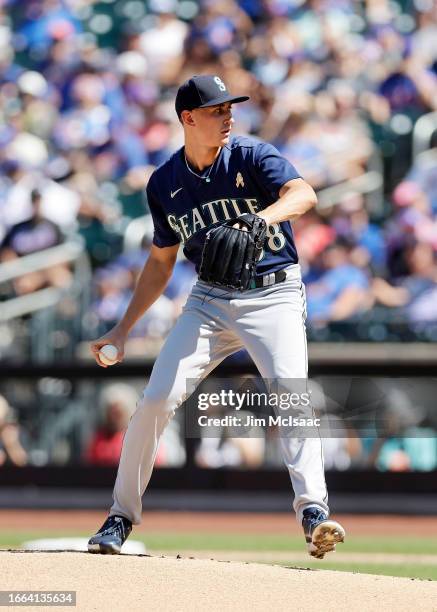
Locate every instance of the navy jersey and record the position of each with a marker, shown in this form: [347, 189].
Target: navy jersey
[245, 177]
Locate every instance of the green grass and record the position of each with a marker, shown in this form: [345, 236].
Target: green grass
[423, 572]
[278, 542]
[239, 542]
[179, 542]
[157, 540]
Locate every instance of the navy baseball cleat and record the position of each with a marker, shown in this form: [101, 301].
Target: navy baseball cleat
[111, 536]
[321, 533]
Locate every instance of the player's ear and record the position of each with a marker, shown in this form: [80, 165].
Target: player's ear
[187, 117]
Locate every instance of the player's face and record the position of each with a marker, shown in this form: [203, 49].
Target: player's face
[213, 124]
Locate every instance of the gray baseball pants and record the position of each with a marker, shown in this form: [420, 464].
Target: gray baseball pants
[270, 323]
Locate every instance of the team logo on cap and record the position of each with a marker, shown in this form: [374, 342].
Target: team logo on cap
[239, 182]
[220, 83]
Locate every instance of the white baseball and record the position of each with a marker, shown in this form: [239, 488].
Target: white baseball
[108, 354]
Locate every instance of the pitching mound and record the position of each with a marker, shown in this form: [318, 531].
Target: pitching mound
[128, 582]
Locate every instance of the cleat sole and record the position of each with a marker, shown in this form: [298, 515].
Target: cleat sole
[325, 537]
[103, 549]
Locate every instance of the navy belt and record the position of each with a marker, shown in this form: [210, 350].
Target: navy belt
[267, 280]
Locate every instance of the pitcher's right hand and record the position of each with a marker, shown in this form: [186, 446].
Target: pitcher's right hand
[115, 337]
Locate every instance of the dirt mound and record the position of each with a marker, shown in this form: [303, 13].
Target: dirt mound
[128, 582]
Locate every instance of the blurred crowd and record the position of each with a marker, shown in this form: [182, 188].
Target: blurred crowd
[86, 113]
[53, 423]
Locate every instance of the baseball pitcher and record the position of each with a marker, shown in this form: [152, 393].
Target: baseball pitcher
[230, 201]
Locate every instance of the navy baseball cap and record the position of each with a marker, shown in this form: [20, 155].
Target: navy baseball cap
[203, 91]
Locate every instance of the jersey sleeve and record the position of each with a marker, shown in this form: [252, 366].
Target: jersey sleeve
[273, 168]
[163, 234]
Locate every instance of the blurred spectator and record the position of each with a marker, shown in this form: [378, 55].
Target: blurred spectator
[238, 446]
[11, 447]
[312, 236]
[114, 287]
[117, 404]
[29, 237]
[112, 294]
[162, 44]
[413, 221]
[342, 290]
[405, 442]
[351, 221]
[415, 294]
[59, 204]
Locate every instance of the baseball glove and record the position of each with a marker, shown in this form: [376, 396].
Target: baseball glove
[230, 254]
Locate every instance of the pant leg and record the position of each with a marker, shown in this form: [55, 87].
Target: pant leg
[271, 324]
[195, 346]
